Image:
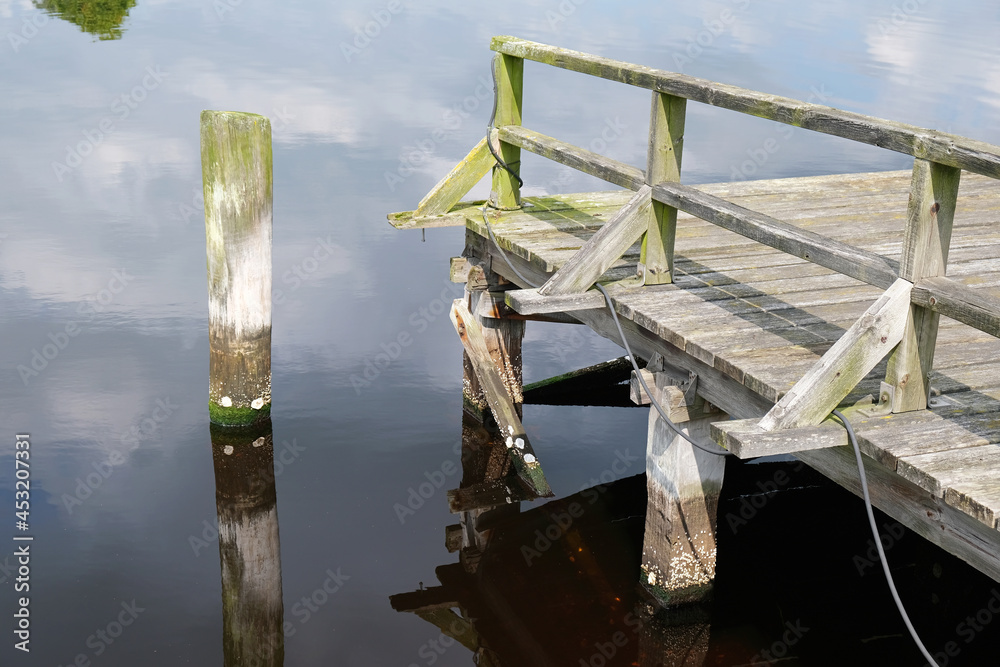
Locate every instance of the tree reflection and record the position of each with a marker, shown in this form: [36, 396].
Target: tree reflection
[102, 18]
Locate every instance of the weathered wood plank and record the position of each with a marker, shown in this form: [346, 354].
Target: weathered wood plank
[930, 214]
[509, 77]
[929, 516]
[663, 163]
[522, 455]
[849, 260]
[450, 189]
[949, 149]
[960, 302]
[958, 476]
[842, 367]
[603, 249]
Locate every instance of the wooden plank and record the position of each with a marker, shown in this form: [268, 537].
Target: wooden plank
[457, 217]
[663, 163]
[930, 214]
[746, 439]
[578, 158]
[521, 453]
[849, 360]
[841, 257]
[949, 149]
[929, 516]
[605, 373]
[450, 189]
[603, 249]
[509, 77]
[530, 302]
[960, 302]
[965, 478]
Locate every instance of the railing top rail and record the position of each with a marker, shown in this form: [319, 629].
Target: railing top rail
[950, 149]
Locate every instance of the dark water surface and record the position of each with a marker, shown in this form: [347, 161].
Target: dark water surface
[102, 258]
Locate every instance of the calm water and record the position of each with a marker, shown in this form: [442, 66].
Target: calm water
[102, 237]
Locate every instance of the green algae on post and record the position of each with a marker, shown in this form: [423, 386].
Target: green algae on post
[237, 177]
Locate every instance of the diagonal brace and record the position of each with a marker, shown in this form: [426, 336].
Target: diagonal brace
[604, 248]
[521, 454]
[850, 359]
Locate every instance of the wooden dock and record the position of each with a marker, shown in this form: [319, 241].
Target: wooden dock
[756, 309]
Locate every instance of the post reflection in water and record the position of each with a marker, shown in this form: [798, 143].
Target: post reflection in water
[249, 549]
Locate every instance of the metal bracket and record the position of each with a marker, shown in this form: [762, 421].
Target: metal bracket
[884, 405]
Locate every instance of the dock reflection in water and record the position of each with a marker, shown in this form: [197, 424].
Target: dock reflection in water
[248, 546]
[526, 578]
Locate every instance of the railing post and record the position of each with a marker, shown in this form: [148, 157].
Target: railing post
[931, 211]
[663, 163]
[506, 193]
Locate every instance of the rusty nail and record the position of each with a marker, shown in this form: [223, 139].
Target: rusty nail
[932, 301]
[884, 338]
[935, 207]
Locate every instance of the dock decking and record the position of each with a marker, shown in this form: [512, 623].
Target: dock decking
[762, 305]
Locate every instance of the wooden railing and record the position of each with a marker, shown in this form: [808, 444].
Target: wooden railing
[917, 290]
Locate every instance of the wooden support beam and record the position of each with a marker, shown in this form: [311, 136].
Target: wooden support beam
[931, 211]
[683, 485]
[509, 72]
[522, 455]
[949, 149]
[850, 359]
[576, 387]
[492, 305]
[530, 302]
[450, 189]
[603, 249]
[663, 163]
[959, 302]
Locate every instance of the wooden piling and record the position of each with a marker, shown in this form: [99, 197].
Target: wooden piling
[683, 485]
[236, 173]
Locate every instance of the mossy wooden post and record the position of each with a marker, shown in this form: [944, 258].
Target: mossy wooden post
[931, 211]
[506, 193]
[236, 170]
[663, 163]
